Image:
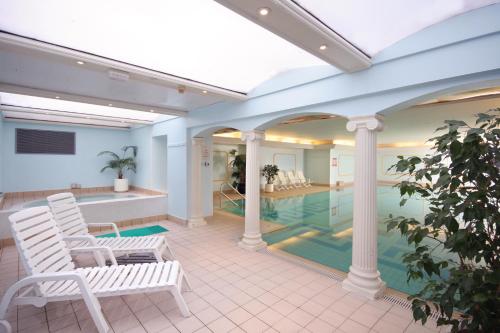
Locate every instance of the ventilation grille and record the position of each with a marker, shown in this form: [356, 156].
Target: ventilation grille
[30, 141]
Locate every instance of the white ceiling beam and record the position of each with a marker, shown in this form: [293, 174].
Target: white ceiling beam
[10, 40]
[8, 88]
[291, 22]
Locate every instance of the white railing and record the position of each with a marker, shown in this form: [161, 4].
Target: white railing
[223, 194]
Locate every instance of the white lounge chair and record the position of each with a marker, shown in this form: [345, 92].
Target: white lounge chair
[52, 276]
[284, 183]
[68, 216]
[303, 180]
[294, 181]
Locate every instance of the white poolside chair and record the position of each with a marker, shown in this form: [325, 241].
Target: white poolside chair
[302, 179]
[293, 181]
[52, 276]
[284, 183]
[68, 216]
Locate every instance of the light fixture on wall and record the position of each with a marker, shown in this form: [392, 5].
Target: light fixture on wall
[79, 62]
[181, 89]
[205, 92]
[323, 47]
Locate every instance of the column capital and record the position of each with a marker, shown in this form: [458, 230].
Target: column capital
[372, 122]
[254, 135]
[197, 141]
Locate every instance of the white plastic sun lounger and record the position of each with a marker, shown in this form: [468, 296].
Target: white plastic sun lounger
[303, 180]
[68, 216]
[52, 276]
[293, 180]
[283, 181]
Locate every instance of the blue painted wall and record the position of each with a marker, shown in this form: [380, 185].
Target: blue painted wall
[32, 172]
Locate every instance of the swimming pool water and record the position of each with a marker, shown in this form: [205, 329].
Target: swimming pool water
[84, 198]
[319, 228]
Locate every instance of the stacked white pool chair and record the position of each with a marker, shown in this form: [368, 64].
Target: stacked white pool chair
[293, 181]
[68, 216]
[284, 183]
[306, 182]
[52, 276]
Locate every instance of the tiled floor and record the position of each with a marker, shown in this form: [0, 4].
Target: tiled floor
[234, 291]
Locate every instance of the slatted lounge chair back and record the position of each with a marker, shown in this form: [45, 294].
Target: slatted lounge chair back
[40, 243]
[67, 214]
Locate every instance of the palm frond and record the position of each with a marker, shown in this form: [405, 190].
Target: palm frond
[107, 152]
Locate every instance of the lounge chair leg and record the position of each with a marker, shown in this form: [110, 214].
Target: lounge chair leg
[6, 325]
[158, 256]
[181, 303]
[188, 284]
[95, 312]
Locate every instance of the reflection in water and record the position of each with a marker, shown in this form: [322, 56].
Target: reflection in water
[319, 228]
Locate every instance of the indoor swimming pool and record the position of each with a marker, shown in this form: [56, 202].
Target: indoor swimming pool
[319, 228]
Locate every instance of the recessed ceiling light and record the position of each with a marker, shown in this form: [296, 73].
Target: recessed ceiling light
[205, 92]
[79, 62]
[264, 11]
[151, 110]
[323, 47]
[110, 104]
[57, 97]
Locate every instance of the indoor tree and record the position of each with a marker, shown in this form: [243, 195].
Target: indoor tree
[461, 182]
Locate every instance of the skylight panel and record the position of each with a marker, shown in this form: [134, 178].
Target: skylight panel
[196, 39]
[374, 25]
[49, 104]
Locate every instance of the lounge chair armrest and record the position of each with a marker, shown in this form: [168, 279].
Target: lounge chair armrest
[45, 277]
[85, 238]
[104, 224]
[95, 250]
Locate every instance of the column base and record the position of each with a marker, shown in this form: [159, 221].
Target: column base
[367, 284]
[196, 222]
[252, 242]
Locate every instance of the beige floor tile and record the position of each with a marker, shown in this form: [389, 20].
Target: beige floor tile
[239, 316]
[270, 316]
[301, 317]
[353, 327]
[208, 315]
[221, 325]
[320, 326]
[286, 325]
[254, 325]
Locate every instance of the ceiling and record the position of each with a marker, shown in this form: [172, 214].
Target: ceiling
[198, 40]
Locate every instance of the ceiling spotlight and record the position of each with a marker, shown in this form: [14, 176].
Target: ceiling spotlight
[79, 62]
[323, 47]
[151, 110]
[205, 92]
[110, 104]
[264, 11]
[57, 97]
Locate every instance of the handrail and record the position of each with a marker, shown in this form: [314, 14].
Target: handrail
[221, 191]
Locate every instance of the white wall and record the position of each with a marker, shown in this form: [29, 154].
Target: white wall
[160, 160]
[386, 157]
[317, 165]
[344, 168]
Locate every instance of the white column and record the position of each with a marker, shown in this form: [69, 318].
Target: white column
[196, 215]
[252, 238]
[363, 277]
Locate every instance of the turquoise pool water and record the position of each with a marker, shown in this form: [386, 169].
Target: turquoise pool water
[319, 228]
[85, 198]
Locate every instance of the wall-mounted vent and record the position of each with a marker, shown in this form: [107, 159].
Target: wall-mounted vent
[30, 141]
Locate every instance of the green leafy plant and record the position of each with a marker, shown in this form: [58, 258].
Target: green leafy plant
[238, 166]
[121, 163]
[461, 182]
[270, 171]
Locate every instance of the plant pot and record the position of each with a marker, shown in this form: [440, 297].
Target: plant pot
[269, 188]
[121, 185]
[241, 188]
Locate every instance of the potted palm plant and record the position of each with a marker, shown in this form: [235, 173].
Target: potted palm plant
[121, 164]
[269, 171]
